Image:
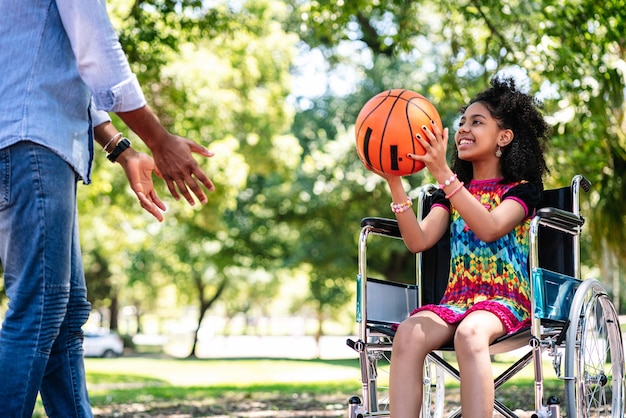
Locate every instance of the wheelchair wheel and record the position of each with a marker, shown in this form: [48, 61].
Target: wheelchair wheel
[433, 387]
[594, 356]
[434, 390]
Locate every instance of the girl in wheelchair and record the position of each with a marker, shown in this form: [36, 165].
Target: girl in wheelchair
[487, 197]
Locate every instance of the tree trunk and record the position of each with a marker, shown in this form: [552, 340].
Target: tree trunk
[113, 320]
[319, 332]
[204, 307]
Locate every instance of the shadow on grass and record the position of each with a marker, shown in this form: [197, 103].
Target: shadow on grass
[231, 387]
[135, 388]
[277, 400]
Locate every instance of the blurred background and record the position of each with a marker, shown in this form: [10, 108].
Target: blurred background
[273, 87]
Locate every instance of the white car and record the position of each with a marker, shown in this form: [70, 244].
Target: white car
[103, 344]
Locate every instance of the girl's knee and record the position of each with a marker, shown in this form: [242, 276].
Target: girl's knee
[410, 337]
[478, 330]
[403, 337]
[470, 339]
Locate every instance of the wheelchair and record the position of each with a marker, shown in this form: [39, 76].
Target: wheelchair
[573, 321]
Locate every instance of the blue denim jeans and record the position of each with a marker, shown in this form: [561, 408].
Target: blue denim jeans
[41, 338]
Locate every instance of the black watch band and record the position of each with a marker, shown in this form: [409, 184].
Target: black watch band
[119, 148]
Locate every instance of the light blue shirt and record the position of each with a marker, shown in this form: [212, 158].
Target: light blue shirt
[56, 56]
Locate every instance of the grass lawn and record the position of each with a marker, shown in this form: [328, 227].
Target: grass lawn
[164, 387]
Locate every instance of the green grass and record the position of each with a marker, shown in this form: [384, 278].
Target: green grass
[131, 380]
[184, 372]
[181, 382]
[121, 379]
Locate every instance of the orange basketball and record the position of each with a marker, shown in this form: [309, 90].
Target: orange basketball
[386, 128]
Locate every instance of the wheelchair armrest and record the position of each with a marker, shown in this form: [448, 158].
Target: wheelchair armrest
[382, 226]
[551, 217]
[560, 219]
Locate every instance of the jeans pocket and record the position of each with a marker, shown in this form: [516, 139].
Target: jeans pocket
[5, 177]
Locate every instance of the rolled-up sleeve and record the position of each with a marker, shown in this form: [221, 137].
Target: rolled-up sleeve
[98, 117]
[101, 61]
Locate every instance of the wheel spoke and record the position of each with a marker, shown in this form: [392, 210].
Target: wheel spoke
[595, 357]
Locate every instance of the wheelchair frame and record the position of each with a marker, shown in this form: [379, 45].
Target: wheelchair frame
[588, 333]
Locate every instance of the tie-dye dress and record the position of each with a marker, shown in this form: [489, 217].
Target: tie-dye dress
[491, 276]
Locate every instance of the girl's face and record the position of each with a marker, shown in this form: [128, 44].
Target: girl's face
[479, 135]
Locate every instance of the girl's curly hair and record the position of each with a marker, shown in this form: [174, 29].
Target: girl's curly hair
[523, 158]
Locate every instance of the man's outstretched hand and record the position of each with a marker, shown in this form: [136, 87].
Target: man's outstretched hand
[180, 171]
[138, 168]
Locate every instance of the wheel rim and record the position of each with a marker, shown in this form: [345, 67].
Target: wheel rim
[433, 402]
[594, 357]
[433, 390]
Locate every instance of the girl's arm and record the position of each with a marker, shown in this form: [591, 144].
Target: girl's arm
[487, 225]
[417, 236]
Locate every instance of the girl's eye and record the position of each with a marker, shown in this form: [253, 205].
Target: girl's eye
[473, 123]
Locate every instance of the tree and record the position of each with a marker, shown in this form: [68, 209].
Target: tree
[571, 53]
[291, 190]
[218, 76]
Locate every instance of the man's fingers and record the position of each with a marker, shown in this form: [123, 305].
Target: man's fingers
[149, 206]
[172, 188]
[199, 149]
[204, 179]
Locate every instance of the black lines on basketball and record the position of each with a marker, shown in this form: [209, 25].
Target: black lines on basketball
[382, 153]
[393, 153]
[386, 127]
[366, 146]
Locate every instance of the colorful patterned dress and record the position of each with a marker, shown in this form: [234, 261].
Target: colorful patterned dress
[491, 276]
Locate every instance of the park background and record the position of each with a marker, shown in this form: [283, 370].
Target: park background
[273, 87]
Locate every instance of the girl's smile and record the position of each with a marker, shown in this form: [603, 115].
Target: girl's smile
[478, 133]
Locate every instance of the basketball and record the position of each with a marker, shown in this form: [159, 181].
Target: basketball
[386, 128]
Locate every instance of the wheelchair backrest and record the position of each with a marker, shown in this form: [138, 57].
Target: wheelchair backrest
[555, 249]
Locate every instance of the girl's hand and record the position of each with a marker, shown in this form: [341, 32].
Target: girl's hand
[435, 145]
[392, 180]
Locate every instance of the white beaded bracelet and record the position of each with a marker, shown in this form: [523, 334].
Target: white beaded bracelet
[401, 207]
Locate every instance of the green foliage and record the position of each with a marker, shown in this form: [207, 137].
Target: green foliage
[290, 189]
[589, 67]
[572, 54]
[223, 87]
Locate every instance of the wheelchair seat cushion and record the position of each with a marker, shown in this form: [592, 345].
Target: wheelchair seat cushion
[490, 276]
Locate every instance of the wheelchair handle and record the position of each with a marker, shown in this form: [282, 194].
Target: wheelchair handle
[382, 226]
[578, 181]
[560, 219]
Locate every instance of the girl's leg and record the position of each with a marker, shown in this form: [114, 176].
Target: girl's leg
[415, 338]
[471, 343]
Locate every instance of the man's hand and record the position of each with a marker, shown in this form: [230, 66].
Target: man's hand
[180, 171]
[138, 168]
[172, 155]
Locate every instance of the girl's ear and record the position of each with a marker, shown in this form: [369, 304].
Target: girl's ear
[506, 136]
